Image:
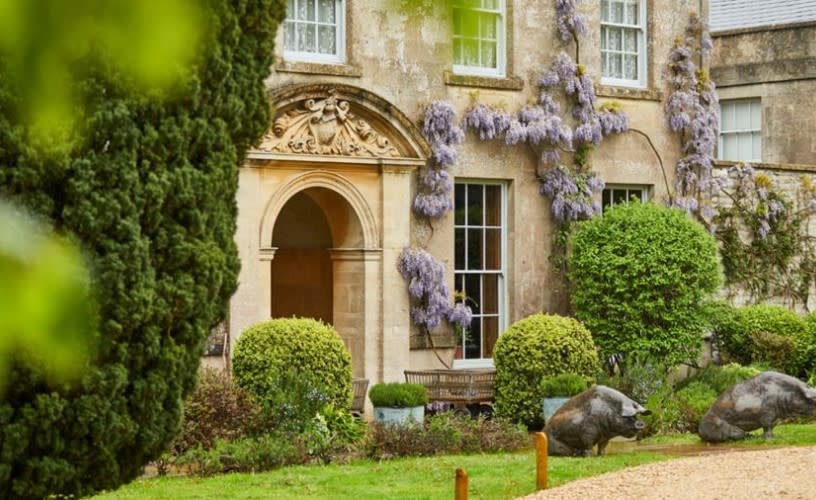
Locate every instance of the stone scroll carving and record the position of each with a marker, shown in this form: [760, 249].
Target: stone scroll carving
[325, 127]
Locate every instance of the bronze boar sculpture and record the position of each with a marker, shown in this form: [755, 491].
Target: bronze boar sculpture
[758, 402]
[593, 417]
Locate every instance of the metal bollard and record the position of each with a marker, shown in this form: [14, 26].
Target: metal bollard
[461, 491]
[541, 460]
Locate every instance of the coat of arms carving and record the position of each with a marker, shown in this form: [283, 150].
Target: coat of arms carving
[326, 127]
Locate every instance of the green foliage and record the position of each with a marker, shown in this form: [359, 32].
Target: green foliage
[805, 357]
[445, 433]
[293, 367]
[395, 394]
[722, 378]
[563, 385]
[147, 188]
[641, 376]
[46, 315]
[251, 454]
[640, 275]
[333, 432]
[217, 410]
[767, 334]
[534, 347]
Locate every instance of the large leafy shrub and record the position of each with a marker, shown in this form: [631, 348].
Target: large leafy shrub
[640, 275]
[293, 367]
[148, 190]
[534, 347]
[765, 333]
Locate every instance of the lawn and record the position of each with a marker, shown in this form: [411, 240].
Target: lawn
[491, 476]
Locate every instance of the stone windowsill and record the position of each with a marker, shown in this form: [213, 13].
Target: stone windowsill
[488, 82]
[628, 93]
[318, 68]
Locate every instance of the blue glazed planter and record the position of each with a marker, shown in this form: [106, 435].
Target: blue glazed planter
[551, 405]
[399, 416]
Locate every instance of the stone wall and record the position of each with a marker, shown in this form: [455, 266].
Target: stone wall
[778, 65]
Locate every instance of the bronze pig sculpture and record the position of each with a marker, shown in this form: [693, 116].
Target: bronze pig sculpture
[593, 417]
[757, 402]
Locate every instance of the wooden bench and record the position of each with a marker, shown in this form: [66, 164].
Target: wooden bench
[471, 386]
[360, 386]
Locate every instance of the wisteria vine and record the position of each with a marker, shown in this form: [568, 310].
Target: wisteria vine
[692, 110]
[443, 134]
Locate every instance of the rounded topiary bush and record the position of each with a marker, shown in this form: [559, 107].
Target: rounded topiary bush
[284, 361]
[538, 346]
[764, 333]
[640, 275]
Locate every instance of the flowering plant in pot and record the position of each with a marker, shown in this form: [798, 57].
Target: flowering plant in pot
[558, 389]
[397, 403]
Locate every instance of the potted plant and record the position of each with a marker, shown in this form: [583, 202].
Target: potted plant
[558, 389]
[396, 403]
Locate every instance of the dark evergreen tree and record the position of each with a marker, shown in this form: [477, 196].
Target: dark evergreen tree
[148, 191]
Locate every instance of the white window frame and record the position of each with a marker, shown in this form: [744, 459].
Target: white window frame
[501, 273]
[642, 41]
[501, 44]
[741, 129]
[339, 56]
[641, 190]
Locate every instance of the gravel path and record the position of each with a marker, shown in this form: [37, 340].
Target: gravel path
[776, 473]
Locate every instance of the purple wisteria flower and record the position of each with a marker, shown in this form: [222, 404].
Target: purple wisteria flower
[570, 23]
[488, 121]
[429, 293]
[573, 194]
[443, 134]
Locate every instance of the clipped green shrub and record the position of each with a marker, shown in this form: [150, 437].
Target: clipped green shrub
[217, 410]
[534, 347]
[293, 367]
[640, 275]
[398, 395]
[764, 333]
[563, 385]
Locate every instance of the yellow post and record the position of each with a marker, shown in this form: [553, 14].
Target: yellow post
[461, 485]
[541, 460]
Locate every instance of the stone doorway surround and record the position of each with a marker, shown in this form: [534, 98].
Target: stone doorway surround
[363, 150]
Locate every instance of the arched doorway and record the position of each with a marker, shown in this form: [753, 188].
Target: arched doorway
[302, 270]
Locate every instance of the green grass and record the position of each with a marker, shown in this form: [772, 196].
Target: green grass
[496, 476]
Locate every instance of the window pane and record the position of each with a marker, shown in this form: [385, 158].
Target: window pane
[492, 205]
[757, 146]
[729, 147]
[615, 66]
[488, 26]
[470, 24]
[459, 203]
[606, 198]
[289, 40]
[311, 12]
[470, 52]
[327, 39]
[490, 334]
[630, 70]
[743, 115]
[615, 39]
[474, 201]
[630, 40]
[490, 4]
[604, 64]
[459, 249]
[474, 340]
[632, 13]
[490, 294]
[746, 150]
[475, 249]
[457, 22]
[493, 249]
[618, 196]
[727, 116]
[326, 11]
[305, 37]
[290, 9]
[473, 289]
[488, 55]
[604, 10]
[617, 12]
[756, 115]
[604, 37]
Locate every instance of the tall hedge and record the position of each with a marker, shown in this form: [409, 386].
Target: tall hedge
[640, 274]
[149, 193]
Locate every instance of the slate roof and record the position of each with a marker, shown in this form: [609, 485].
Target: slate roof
[735, 14]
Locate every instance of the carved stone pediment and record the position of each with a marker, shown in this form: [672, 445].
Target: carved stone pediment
[326, 127]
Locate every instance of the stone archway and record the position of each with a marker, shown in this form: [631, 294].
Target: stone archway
[340, 160]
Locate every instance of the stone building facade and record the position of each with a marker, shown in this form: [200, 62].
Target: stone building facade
[764, 65]
[325, 200]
